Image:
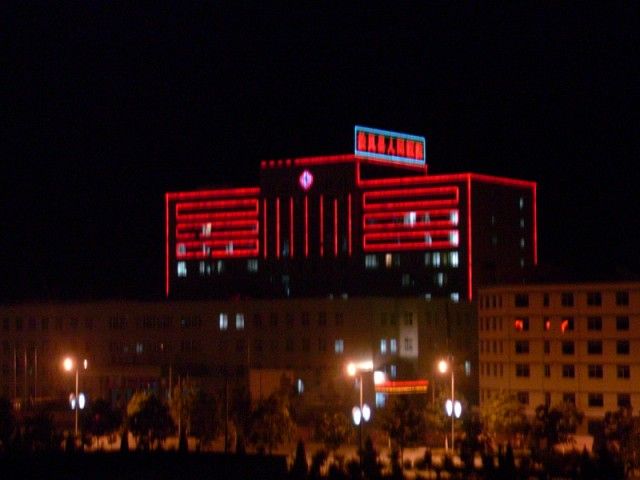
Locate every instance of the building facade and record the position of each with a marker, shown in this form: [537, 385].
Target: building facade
[547, 344]
[134, 345]
[354, 224]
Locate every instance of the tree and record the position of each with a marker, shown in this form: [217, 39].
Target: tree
[101, 419]
[206, 423]
[7, 424]
[270, 424]
[40, 434]
[333, 430]
[503, 414]
[553, 425]
[148, 419]
[300, 466]
[622, 435]
[403, 418]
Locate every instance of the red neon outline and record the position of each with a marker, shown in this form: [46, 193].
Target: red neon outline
[535, 224]
[166, 243]
[324, 160]
[306, 226]
[230, 192]
[264, 228]
[350, 225]
[322, 225]
[392, 218]
[277, 227]
[469, 253]
[291, 238]
[400, 240]
[335, 227]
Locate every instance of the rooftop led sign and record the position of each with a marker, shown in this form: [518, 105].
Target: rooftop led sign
[390, 146]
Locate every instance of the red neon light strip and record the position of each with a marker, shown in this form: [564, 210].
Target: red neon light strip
[194, 207]
[410, 205]
[166, 245]
[219, 224]
[291, 229]
[277, 227]
[349, 233]
[306, 226]
[335, 227]
[324, 160]
[413, 192]
[206, 217]
[535, 224]
[322, 225]
[227, 192]
[469, 253]
[264, 228]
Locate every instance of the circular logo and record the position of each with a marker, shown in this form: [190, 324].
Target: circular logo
[306, 180]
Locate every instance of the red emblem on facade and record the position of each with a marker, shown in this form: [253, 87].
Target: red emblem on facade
[306, 180]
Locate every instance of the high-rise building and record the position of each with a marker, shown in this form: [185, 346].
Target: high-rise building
[372, 222]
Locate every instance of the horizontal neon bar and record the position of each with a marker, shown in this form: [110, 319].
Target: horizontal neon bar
[409, 205]
[223, 192]
[217, 204]
[413, 192]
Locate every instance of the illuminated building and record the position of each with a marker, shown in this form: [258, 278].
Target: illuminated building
[561, 342]
[368, 223]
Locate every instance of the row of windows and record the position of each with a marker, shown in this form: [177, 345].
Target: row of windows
[431, 259]
[31, 323]
[565, 324]
[594, 399]
[568, 347]
[567, 299]
[569, 371]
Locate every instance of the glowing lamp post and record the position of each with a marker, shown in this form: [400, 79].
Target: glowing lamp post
[452, 406]
[361, 413]
[76, 401]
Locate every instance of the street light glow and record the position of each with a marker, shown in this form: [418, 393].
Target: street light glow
[68, 364]
[352, 369]
[443, 366]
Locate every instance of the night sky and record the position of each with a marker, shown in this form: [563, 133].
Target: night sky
[107, 105]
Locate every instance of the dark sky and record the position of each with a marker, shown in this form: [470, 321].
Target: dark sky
[107, 105]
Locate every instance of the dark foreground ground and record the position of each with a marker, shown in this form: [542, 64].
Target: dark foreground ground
[138, 466]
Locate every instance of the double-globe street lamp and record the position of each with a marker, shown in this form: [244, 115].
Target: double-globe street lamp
[360, 413]
[77, 402]
[453, 407]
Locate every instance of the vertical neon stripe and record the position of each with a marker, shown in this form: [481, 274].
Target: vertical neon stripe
[291, 238]
[469, 255]
[349, 234]
[322, 225]
[166, 244]
[265, 252]
[306, 226]
[335, 227]
[535, 224]
[277, 227]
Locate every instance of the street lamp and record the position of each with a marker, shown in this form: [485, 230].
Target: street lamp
[453, 407]
[77, 401]
[360, 413]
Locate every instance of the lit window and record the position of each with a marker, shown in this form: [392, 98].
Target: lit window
[467, 368]
[182, 249]
[547, 324]
[522, 223]
[223, 321]
[522, 243]
[239, 321]
[410, 218]
[206, 229]
[371, 261]
[408, 344]
[393, 345]
[521, 324]
[521, 203]
[427, 259]
[454, 260]
[252, 265]
[383, 346]
[139, 348]
[455, 297]
[339, 346]
[440, 279]
[567, 325]
[381, 399]
[388, 260]
[300, 386]
[393, 371]
[454, 217]
[182, 269]
[454, 238]
[436, 259]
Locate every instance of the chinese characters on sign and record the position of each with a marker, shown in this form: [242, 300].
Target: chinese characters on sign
[390, 146]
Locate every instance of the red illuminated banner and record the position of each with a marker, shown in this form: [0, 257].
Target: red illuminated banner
[403, 387]
[390, 146]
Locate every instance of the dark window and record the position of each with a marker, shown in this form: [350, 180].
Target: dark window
[522, 346]
[523, 397]
[566, 299]
[522, 370]
[595, 371]
[595, 400]
[547, 398]
[522, 300]
[622, 347]
[569, 398]
[339, 319]
[322, 318]
[594, 299]
[622, 298]
[18, 323]
[306, 345]
[594, 323]
[545, 300]
[622, 323]
[257, 320]
[305, 318]
[5, 324]
[547, 370]
[624, 400]
[624, 371]
[568, 348]
[289, 319]
[568, 371]
[32, 324]
[547, 347]
[594, 347]
[273, 319]
[44, 324]
[289, 345]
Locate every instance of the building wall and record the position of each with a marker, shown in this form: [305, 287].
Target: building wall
[550, 343]
[131, 345]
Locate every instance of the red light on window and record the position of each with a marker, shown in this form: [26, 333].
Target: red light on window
[564, 326]
[547, 325]
[306, 180]
[518, 325]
